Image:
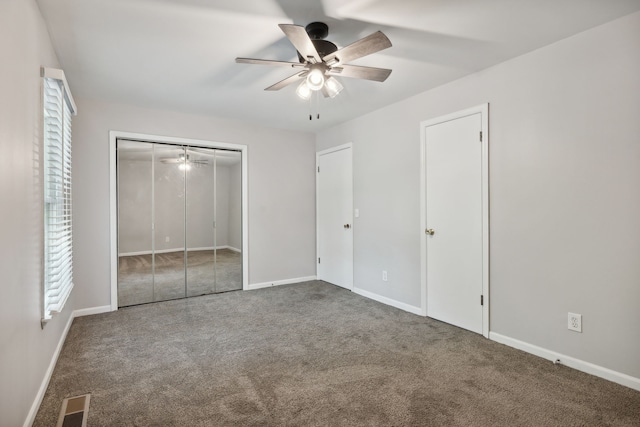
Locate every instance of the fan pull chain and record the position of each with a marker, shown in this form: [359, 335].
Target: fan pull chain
[317, 97]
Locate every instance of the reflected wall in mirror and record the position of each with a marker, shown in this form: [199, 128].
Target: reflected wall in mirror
[179, 221]
[214, 217]
[168, 217]
[135, 219]
[228, 210]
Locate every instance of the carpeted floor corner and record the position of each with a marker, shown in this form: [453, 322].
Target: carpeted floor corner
[313, 354]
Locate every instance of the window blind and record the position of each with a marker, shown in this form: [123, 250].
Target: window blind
[58, 241]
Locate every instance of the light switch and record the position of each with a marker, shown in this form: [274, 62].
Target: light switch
[356, 213]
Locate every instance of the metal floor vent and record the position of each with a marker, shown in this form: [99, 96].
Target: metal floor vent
[74, 411]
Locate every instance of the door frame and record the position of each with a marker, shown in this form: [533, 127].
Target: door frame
[348, 145]
[113, 198]
[483, 109]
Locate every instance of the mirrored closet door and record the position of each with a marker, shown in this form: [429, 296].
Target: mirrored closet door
[179, 221]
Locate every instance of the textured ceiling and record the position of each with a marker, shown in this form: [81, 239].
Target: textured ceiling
[179, 54]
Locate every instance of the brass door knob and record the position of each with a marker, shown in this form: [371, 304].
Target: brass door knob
[430, 231]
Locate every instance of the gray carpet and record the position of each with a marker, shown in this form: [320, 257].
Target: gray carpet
[313, 354]
[207, 272]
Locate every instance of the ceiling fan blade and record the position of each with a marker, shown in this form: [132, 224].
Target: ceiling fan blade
[269, 62]
[365, 46]
[298, 36]
[359, 72]
[286, 82]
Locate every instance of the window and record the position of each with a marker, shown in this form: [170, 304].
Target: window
[58, 272]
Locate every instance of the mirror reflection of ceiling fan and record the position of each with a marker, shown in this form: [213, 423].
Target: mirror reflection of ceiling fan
[320, 61]
[182, 160]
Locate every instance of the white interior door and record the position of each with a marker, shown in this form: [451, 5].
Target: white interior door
[454, 221]
[334, 208]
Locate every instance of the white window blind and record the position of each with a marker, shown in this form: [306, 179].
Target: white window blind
[58, 241]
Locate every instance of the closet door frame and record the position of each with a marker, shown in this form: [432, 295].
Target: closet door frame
[113, 203]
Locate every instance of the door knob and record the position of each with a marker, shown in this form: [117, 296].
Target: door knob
[430, 231]
[347, 226]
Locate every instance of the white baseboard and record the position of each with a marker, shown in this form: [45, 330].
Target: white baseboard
[572, 362]
[166, 251]
[33, 411]
[92, 310]
[388, 301]
[204, 248]
[279, 282]
[233, 249]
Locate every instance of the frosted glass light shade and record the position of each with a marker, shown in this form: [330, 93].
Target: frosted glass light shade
[333, 87]
[315, 79]
[303, 90]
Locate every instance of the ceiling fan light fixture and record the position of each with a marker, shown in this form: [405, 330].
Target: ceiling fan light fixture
[315, 79]
[303, 90]
[333, 87]
[320, 59]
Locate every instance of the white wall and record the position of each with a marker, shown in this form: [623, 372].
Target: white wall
[235, 206]
[222, 205]
[26, 350]
[281, 191]
[564, 193]
[134, 205]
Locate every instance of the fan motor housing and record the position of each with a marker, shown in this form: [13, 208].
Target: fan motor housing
[317, 31]
[323, 47]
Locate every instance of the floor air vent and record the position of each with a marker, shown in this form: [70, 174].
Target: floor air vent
[74, 411]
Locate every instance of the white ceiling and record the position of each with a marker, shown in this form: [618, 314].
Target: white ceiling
[179, 54]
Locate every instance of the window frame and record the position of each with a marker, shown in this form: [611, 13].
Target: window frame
[57, 264]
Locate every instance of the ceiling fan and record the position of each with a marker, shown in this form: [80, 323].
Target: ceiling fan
[320, 60]
[184, 162]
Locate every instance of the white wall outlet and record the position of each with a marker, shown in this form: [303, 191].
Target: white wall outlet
[356, 213]
[167, 239]
[384, 275]
[575, 322]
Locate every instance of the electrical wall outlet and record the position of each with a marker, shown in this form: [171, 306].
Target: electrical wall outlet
[575, 322]
[384, 275]
[167, 239]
